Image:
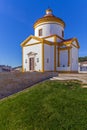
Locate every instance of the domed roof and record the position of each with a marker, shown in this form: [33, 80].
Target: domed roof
[49, 17]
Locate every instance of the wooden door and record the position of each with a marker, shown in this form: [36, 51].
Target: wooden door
[31, 63]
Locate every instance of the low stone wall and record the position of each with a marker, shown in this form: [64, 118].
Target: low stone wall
[12, 82]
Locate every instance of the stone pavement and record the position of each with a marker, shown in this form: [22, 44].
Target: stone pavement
[80, 76]
[13, 82]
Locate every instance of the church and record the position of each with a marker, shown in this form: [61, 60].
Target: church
[47, 50]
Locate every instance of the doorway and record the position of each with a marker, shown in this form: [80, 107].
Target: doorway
[31, 64]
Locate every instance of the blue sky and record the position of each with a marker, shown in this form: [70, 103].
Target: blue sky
[18, 16]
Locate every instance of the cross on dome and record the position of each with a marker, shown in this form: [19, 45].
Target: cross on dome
[49, 17]
[49, 11]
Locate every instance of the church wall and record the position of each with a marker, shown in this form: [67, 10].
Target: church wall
[50, 39]
[49, 29]
[36, 49]
[64, 58]
[48, 57]
[32, 41]
[74, 59]
[59, 40]
[63, 61]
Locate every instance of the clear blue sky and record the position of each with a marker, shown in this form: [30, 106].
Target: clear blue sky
[18, 16]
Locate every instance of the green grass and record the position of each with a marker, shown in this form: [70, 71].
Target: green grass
[51, 105]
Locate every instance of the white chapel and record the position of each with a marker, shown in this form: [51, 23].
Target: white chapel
[47, 50]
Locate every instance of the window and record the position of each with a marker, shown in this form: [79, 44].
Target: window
[40, 32]
[37, 59]
[62, 33]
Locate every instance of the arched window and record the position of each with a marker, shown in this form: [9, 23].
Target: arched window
[40, 32]
[62, 33]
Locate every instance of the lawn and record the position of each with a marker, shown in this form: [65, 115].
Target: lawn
[50, 105]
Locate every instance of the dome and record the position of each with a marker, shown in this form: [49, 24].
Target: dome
[49, 17]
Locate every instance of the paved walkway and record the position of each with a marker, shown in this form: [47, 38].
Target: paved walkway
[80, 76]
[14, 82]
[11, 82]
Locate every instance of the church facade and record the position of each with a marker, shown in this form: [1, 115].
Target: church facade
[47, 50]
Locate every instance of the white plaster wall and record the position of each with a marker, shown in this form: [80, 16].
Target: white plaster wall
[50, 39]
[48, 53]
[63, 58]
[63, 61]
[49, 29]
[63, 68]
[52, 57]
[36, 49]
[74, 59]
[56, 57]
[32, 41]
[79, 67]
[59, 40]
